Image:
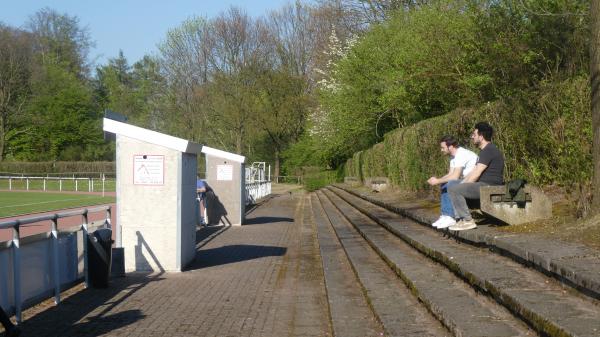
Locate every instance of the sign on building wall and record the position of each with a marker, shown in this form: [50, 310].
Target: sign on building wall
[225, 172]
[148, 169]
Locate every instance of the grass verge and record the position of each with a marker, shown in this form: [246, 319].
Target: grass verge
[18, 203]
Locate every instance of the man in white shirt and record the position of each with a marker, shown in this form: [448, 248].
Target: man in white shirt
[462, 163]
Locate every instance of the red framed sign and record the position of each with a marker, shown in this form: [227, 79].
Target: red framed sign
[148, 169]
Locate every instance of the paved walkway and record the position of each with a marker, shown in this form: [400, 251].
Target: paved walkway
[262, 279]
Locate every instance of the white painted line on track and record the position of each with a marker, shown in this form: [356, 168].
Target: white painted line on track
[42, 202]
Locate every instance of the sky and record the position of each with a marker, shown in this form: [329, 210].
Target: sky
[134, 26]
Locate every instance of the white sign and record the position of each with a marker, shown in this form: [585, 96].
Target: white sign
[148, 170]
[225, 172]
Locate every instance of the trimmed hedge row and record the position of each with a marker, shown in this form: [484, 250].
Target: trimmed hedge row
[546, 137]
[56, 167]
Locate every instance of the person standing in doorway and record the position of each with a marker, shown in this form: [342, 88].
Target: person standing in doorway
[201, 197]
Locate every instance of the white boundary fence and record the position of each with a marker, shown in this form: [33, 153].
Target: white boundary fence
[36, 267]
[77, 184]
[257, 184]
[257, 190]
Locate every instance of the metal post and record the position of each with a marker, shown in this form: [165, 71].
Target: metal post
[60, 184]
[27, 182]
[269, 173]
[55, 258]
[92, 185]
[84, 228]
[103, 179]
[89, 186]
[76, 183]
[10, 183]
[44, 184]
[17, 272]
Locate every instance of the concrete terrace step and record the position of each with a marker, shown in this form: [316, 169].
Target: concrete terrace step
[397, 309]
[459, 307]
[540, 301]
[349, 311]
[572, 264]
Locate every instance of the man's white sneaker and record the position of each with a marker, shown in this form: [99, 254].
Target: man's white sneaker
[446, 222]
[463, 225]
[436, 222]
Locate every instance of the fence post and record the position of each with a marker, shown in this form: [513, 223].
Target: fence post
[84, 228]
[9, 183]
[55, 260]
[27, 183]
[76, 185]
[44, 184]
[92, 185]
[60, 184]
[17, 271]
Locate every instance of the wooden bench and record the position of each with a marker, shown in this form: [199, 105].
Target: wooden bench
[493, 202]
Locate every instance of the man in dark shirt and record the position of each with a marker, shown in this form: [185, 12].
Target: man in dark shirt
[488, 171]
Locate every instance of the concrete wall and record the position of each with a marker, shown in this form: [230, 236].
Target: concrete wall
[227, 205]
[156, 220]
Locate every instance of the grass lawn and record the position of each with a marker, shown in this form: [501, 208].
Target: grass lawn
[18, 203]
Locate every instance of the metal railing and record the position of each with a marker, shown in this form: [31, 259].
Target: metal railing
[257, 190]
[77, 184]
[15, 245]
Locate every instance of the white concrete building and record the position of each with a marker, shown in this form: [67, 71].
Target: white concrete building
[156, 198]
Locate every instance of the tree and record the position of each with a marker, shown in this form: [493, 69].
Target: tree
[282, 109]
[60, 38]
[15, 63]
[595, 82]
[136, 91]
[63, 122]
[184, 63]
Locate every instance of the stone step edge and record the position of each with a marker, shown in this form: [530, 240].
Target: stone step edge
[551, 267]
[427, 302]
[363, 289]
[534, 319]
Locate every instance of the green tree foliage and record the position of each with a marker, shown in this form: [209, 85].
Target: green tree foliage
[59, 38]
[135, 91]
[52, 113]
[428, 59]
[15, 71]
[64, 122]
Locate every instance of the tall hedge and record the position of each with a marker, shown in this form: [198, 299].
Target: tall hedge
[546, 137]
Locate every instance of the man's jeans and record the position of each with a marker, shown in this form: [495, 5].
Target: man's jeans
[446, 204]
[459, 193]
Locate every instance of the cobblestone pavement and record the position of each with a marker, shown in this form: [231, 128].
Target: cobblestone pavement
[262, 279]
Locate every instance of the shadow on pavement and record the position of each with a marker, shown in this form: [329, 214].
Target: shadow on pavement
[234, 253]
[66, 318]
[96, 326]
[205, 235]
[266, 220]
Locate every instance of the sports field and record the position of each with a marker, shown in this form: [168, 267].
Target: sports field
[18, 203]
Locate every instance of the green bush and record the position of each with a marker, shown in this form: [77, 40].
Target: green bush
[546, 138]
[315, 180]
